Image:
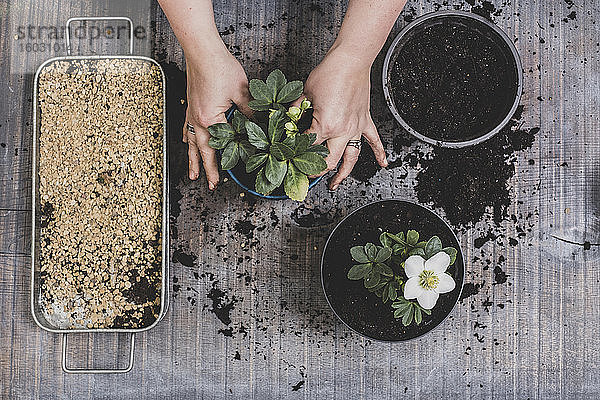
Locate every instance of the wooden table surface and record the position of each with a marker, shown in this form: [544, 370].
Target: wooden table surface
[247, 315]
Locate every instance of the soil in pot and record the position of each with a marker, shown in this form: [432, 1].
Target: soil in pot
[363, 311]
[453, 78]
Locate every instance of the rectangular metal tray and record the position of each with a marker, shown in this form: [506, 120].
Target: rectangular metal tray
[36, 309]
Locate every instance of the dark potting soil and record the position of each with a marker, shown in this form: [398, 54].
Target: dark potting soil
[467, 183]
[453, 79]
[364, 311]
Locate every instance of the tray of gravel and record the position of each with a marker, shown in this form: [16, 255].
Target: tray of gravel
[100, 201]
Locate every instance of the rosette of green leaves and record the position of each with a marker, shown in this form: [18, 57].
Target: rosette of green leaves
[232, 139]
[409, 311]
[407, 245]
[274, 92]
[372, 267]
[289, 161]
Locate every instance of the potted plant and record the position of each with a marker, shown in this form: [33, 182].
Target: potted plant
[408, 273]
[271, 153]
[387, 281]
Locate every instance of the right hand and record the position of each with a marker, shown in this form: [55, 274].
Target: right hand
[213, 84]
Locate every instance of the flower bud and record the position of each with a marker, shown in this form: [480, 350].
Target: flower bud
[294, 111]
[305, 104]
[290, 126]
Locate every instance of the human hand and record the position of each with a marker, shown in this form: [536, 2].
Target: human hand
[213, 84]
[339, 89]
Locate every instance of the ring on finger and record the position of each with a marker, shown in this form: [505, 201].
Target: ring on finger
[190, 128]
[357, 143]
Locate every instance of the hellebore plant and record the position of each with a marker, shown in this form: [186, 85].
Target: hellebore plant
[403, 269]
[276, 150]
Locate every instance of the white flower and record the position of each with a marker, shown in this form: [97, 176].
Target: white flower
[427, 279]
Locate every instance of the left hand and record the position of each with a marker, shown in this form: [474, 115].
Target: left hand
[340, 89]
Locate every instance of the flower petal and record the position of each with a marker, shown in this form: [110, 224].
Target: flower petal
[438, 263]
[413, 266]
[412, 289]
[446, 283]
[428, 299]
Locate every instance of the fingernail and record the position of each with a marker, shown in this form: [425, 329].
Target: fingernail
[211, 186]
[334, 187]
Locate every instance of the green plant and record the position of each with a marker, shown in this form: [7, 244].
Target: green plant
[277, 151]
[382, 269]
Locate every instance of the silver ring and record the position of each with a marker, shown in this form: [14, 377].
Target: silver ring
[190, 128]
[355, 143]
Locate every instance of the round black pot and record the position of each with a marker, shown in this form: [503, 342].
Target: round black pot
[452, 78]
[362, 311]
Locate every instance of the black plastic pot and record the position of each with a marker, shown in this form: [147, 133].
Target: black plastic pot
[362, 311]
[436, 77]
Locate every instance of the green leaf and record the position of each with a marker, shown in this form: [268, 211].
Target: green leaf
[392, 294]
[383, 254]
[385, 294]
[219, 143]
[421, 244]
[230, 156]
[295, 184]
[371, 251]
[256, 136]
[276, 126]
[260, 91]
[310, 163]
[281, 151]
[418, 316]
[319, 149]
[238, 122]
[452, 252]
[302, 143]
[385, 240]
[358, 254]
[262, 184]
[275, 81]
[221, 130]
[408, 317]
[359, 271]
[417, 251]
[433, 246]
[246, 150]
[256, 161]
[371, 279]
[426, 311]
[398, 238]
[412, 237]
[290, 141]
[290, 92]
[259, 105]
[384, 269]
[275, 170]
[398, 248]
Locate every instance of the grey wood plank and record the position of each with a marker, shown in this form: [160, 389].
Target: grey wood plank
[540, 344]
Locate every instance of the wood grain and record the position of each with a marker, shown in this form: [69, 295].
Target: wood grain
[534, 336]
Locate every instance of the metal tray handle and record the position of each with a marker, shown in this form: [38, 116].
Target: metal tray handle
[68, 35]
[96, 371]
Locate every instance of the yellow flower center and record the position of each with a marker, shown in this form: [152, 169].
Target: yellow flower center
[428, 280]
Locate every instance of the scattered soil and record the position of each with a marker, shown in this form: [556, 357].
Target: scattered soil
[100, 189]
[453, 79]
[469, 182]
[364, 311]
